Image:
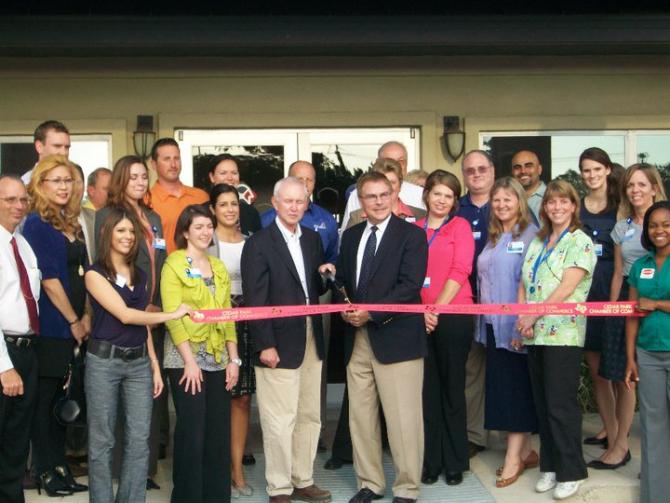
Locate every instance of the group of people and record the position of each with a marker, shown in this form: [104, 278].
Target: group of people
[122, 275]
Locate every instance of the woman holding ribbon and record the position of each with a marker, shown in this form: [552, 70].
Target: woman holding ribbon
[227, 246]
[509, 398]
[53, 231]
[201, 361]
[122, 371]
[648, 347]
[598, 216]
[642, 186]
[128, 189]
[451, 249]
[558, 268]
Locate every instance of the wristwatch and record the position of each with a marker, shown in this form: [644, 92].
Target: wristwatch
[236, 361]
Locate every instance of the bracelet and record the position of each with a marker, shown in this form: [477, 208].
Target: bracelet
[76, 320]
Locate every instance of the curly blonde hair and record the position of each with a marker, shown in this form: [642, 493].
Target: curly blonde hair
[64, 219]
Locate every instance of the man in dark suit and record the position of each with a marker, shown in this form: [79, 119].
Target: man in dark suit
[281, 265]
[384, 261]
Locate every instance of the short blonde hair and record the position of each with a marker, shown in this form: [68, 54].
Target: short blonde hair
[383, 166]
[62, 219]
[652, 174]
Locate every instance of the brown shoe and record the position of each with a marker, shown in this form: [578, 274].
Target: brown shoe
[281, 498]
[312, 494]
[531, 461]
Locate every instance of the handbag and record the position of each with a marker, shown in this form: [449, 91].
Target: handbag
[70, 409]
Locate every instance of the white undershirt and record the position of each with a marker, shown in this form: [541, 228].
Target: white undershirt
[293, 242]
[381, 228]
[230, 254]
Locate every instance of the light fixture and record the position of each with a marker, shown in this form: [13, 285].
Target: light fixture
[454, 136]
[144, 136]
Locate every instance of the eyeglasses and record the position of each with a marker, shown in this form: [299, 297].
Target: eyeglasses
[23, 201]
[473, 171]
[59, 181]
[376, 197]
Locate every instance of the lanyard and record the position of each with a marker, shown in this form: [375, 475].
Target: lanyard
[543, 257]
[437, 231]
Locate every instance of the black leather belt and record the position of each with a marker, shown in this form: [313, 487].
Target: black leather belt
[106, 350]
[20, 340]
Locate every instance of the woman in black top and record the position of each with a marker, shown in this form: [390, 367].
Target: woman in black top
[121, 363]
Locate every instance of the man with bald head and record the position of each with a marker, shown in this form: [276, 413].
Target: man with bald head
[410, 193]
[526, 168]
[478, 177]
[19, 328]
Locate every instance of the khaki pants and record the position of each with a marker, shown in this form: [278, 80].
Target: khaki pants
[475, 379]
[289, 406]
[398, 386]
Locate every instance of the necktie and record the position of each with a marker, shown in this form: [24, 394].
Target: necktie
[366, 265]
[25, 290]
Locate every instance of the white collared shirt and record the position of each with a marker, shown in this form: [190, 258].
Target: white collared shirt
[381, 228]
[293, 243]
[14, 318]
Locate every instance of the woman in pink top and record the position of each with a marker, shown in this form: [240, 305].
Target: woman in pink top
[451, 249]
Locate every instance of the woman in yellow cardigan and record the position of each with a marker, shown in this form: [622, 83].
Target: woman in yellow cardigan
[201, 361]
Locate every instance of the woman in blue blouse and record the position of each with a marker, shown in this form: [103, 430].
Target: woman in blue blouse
[53, 231]
[649, 340]
[509, 398]
[598, 214]
[121, 363]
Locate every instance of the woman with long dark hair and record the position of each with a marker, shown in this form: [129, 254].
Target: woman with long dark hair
[598, 214]
[121, 363]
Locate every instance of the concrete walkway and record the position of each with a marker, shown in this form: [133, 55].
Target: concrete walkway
[619, 486]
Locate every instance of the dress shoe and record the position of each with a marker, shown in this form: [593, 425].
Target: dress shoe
[78, 470]
[453, 478]
[365, 495]
[602, 442]
[66, 476]
[428, 478]
[248, 459]
[151, 485]
[53, 485]
[280, 498]
[474, 449]
[504, 482]
[398, 499]
[596, 464]
[335, 463]
[311, 493]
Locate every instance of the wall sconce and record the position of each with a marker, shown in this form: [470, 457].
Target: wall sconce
[454, 136]
[144, 136]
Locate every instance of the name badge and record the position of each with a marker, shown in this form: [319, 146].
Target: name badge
[410, 219]
[647, 273]
[477, 235]
[159, 244]
[515, 247]
[629, 234]
[426, 282]
[599, 250]
[120, 281]
[193, 273]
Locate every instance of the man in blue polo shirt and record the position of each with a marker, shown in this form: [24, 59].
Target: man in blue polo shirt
[478, 177]
[320, 220]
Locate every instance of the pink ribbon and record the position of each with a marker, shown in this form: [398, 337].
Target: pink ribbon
[556, 309]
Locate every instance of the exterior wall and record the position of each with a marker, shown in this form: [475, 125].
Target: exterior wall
[105, 96]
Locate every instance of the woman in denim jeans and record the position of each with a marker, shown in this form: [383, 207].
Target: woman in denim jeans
[121, 361]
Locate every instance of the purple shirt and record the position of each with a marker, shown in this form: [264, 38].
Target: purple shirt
[499, 273]
[108, 327]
